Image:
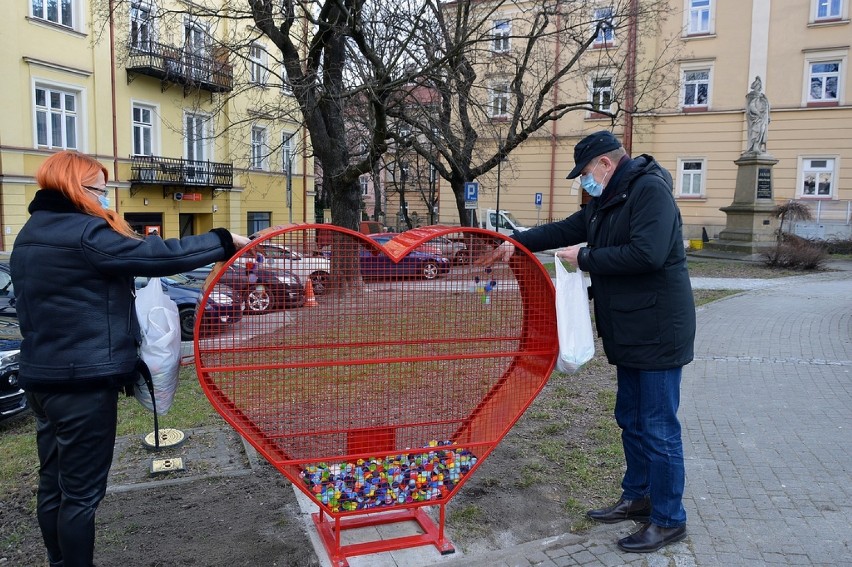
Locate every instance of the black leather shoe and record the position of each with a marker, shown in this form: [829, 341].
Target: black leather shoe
[651, 537]
[638, 510]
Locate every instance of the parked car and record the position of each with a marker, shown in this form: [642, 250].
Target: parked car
[220, 311]
[324, 237]
[12, 399]
[418, 263]
[275, 257]
[454, 250]
[258, 289]
[7, 292]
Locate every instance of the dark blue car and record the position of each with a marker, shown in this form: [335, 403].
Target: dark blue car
[12, 400]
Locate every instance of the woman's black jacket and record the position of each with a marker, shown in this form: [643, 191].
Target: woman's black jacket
[73, 278]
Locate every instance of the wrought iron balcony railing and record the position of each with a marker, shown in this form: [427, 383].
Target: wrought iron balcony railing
[176, 172]
[181, 66]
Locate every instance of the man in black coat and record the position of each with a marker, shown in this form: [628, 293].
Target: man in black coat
[629, 240]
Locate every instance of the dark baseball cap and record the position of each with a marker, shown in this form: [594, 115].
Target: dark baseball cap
[590, 147]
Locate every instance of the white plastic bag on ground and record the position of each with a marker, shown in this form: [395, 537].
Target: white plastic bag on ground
[160, 351]
[573, 321]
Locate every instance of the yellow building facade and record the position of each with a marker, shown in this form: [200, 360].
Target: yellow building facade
[714, 50]
[194, 135]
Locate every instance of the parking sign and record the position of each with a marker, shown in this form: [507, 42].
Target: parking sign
[471, 191]
[538, 199]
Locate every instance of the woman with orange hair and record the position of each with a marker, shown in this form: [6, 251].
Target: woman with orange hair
[73, 266]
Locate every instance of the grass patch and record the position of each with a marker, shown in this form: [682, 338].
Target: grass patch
[17, 436]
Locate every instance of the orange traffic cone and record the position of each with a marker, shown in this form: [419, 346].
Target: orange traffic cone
[310, 300]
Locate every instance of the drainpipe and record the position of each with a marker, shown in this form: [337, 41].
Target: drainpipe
[554, 129]
[112, 93]
[630, 86]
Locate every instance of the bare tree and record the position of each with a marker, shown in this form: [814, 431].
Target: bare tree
[499, 70]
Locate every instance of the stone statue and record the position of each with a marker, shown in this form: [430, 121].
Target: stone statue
[757, 118]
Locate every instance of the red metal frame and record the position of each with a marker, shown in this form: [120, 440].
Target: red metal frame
[384, 394]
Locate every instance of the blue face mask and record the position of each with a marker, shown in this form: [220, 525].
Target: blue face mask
[104, 201]
[589, 185]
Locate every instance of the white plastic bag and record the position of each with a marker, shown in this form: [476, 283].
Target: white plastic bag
[573, 321]
[160, 351]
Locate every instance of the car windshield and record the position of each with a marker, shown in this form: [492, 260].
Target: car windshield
[178, 279]
[512, 218]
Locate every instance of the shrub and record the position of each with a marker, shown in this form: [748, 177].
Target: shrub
[796, 253]
[838, 246]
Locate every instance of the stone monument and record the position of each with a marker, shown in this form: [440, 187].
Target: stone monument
[750, 229]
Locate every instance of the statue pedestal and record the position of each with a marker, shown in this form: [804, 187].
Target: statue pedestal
[750, 228]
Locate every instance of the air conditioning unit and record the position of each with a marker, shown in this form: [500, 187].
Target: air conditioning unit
[177, 196]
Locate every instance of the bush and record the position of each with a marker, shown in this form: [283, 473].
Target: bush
[838, 246]
[796, 253]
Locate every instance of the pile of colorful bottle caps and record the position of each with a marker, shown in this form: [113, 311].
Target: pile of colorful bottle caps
[396, 479]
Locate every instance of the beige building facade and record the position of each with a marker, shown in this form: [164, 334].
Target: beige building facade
[191, 133]
[714, 50]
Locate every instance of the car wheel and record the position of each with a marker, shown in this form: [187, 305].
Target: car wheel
[462, 257]
[430, 270]
[319, 282]
[259, 300]
[187, 322]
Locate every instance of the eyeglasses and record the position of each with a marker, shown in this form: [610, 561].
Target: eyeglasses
[98, 190]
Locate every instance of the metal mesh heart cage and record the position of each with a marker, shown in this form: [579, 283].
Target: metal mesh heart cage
[376, 372]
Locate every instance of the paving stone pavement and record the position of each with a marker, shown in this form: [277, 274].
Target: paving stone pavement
[766, 409]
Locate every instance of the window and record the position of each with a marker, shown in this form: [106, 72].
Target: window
[606, 33]
[696, 89]
[196, 136]
[691, 177]
[141, 26]
[699, 17]
[817, 177]
[499, 100]
[501, 36]
[602, 94]
[824, 79]
[828, 10]
[258, 148]
[143, 130]
[56, 118]
[258, 72]
[57, 11]
[258, 220]
[364, 180]
[288, 155]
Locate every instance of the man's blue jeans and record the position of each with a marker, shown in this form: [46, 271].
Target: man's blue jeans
[646, 411]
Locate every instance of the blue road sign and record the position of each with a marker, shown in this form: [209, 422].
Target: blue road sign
[538, 199]
[471, 191]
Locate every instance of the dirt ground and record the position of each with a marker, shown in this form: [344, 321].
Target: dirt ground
[225, 509]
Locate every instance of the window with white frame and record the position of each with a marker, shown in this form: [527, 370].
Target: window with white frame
[699, 17]
[499, 107]
[57, 11]
[57, 117]
[823, 81]
[818, 177]
[258, 148]
[143, 130]
[258, 72]
[364, 180]
[695, 90]
[606, 31]
[196, 136]
[827, 9]
[141, 25]
[691, 176]
[288, 155]
[601, 91]
[502, 28]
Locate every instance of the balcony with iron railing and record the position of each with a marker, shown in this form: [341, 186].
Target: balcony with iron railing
[178, 65]
[177, 172]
